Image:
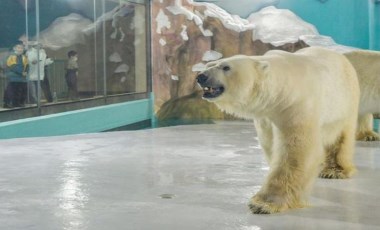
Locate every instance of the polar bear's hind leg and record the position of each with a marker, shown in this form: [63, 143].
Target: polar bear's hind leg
[339, 156]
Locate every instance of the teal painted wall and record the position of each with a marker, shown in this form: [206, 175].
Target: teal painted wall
[374, 25]
[80, 121]
[346, 21]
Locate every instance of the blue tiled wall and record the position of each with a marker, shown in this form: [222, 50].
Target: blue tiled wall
[349, 22]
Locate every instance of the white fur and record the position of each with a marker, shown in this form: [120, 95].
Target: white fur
[303, 105]
[367, 65]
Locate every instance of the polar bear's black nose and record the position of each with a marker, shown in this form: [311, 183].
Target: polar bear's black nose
[201, 79]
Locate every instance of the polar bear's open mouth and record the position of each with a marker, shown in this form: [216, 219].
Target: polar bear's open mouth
[211, 88]
[212, 92]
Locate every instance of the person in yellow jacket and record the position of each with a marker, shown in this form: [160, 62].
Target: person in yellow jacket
[16, 72]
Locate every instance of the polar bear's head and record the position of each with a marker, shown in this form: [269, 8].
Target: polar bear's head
[232, 79]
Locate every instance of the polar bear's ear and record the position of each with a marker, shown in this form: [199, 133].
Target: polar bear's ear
[211, 64]
[263, 66]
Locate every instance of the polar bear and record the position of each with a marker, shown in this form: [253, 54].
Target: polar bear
[304, 106]
[367, 65]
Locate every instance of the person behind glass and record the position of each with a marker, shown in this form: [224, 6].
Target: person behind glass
[72, 75]
[38, 60]
[45, 84]
[17, 67]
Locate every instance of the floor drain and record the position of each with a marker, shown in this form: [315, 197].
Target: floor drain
[167, 196]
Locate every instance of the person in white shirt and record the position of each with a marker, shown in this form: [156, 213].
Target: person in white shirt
[37, 61]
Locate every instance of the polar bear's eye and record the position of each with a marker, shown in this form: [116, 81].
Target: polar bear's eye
[226, 68]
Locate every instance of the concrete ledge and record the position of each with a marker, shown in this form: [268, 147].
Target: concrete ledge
[79, 121]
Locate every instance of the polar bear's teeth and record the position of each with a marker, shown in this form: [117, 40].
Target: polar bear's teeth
[206, 88]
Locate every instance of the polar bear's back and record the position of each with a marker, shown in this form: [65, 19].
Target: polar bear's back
[317, 71]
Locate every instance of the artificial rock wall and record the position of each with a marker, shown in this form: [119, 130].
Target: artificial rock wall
[185, 35]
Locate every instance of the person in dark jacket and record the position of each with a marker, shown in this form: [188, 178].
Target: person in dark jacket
[17, 67]
[72, 75]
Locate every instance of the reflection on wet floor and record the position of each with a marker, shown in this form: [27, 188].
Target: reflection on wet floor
[180, 177]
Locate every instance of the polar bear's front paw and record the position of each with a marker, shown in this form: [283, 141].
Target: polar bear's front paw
[367, 136]
[332, 173]
[259, 209]
[259, 206]
[337, 173]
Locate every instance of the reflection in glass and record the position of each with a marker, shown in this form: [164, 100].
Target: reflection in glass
[108, 36]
